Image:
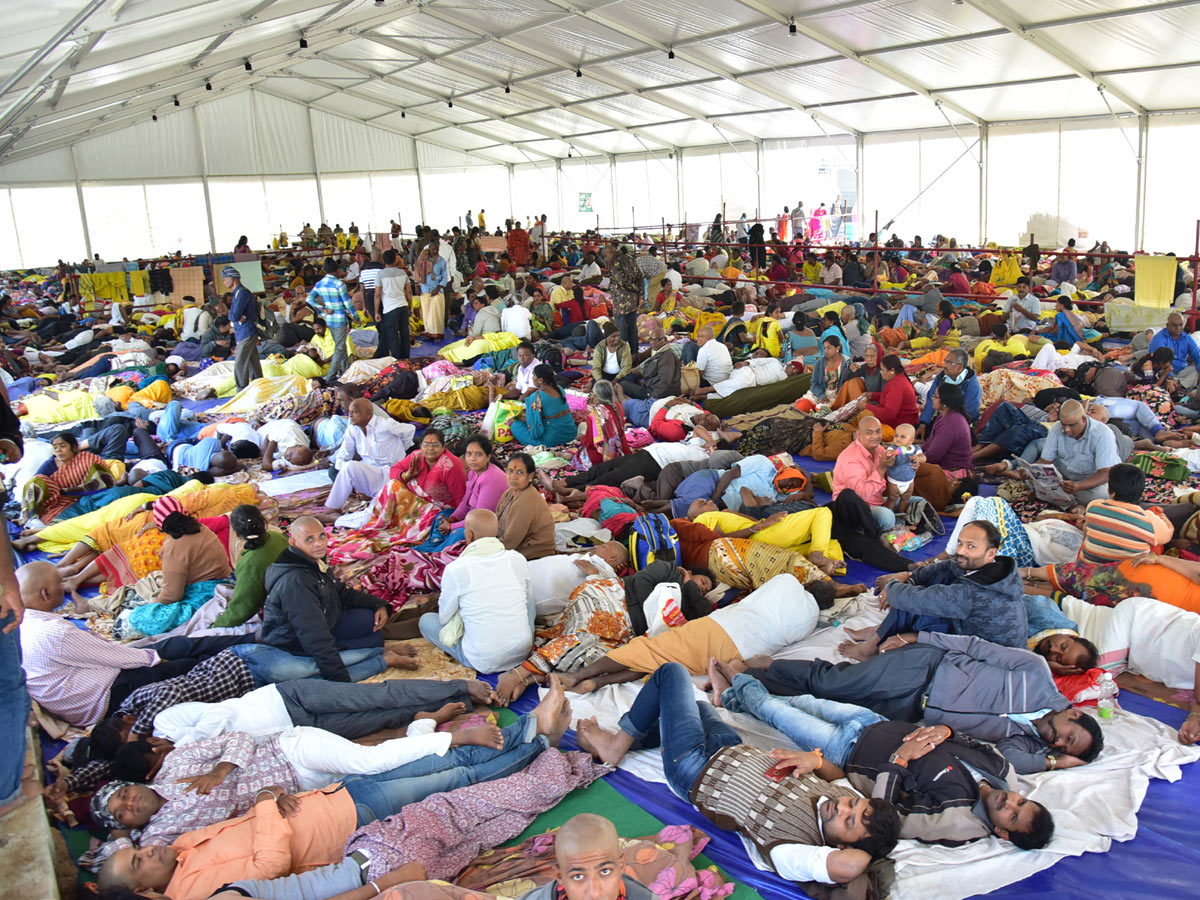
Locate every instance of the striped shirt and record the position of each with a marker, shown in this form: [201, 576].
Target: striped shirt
[1114, 531]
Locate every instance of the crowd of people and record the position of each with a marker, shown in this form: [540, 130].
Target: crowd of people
[598, 477]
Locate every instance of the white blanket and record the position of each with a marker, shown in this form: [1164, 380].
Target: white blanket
[1093, 805]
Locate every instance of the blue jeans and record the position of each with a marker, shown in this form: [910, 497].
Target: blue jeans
[270, 665]
[638, 412]
[807, 721]
[884, 517]
[383, 795]
[898, 621]
[14, 713]
[1011, 429]
[327, 881]
[667, 715]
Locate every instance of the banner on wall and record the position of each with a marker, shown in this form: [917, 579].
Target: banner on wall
[585, 202]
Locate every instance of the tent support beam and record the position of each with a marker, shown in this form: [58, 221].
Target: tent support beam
[1139, 212]
[212, 233]
[83, 219]
[983, 183]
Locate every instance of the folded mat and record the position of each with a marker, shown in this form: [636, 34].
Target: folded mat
[753, 399]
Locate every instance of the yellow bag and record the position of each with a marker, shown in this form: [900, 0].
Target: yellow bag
[689, 378]
[506, 411]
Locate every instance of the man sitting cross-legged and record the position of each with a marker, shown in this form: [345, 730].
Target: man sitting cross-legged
[976, 593]
[947, 788]
[210, 781]
[816, 831]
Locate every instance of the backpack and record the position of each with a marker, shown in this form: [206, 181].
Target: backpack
[550, 355]
[652, 537]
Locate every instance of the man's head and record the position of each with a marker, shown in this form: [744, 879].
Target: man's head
[590, 862]
[144, 869]
[870, 432]
[871, 825]
[613, 553]
[1024, 822]
[231, 277]
[1175, 324]
[700, 507]
[1097, 411]
[331, 265]
[704, 335]
[567, 282]
[956, 362]
[307, 535]
[525, 354]
[1073, 732]
[1067, 654]
[41, 586]
[361, 412]
[1073, 420]
[978, 543]
[224, 462]
[123, 804]
[658, 338]
[1126, 483]
[480, 523]
[1022, 287]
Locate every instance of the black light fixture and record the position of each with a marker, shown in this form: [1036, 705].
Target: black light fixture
[176, 99]
[508, 89]
[578, 72]
[791, 26]
[208, 85]
[670, 53]
[249, 68]
[154, 117]
[303, 43]
[402, 114]
[450, 103]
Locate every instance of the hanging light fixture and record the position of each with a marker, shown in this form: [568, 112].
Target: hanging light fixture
[176, 99]
[578, 72]
[154, 117]
[208, 85]
[508, 89]
[791, 26]
[249, 68]
[303, 42]
[670, 53]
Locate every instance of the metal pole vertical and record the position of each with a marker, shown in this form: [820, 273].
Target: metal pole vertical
[860, 178]
[758, 172]
[679, 207]
[612, 189]
[558, 180]
[511, 207]
[212, 234]
[420, 184]
[312, 143]
[87, 237]
[1139, 212]
[983, 185]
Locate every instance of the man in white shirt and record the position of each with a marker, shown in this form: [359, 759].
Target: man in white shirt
[484, 601]
[522, 383]
[393, 297]
[1023, 309]
[518, 320]
[590, 273]
[553, 578]
[370, 446]
[831, 272]
[286, 438]
[713, 359]
[196, 321]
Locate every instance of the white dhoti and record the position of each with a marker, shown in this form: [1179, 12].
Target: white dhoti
[356, 476]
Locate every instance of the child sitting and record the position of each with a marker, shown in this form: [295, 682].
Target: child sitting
[901, 475]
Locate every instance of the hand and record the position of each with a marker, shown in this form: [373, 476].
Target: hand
[861, 402]
[381, 617]
[928, 734]
[883, 603]
[818, 426]
[288, 805]
[1066, 761]
[444, 526]
[1189, 732]
[1070, 486]
[586, 567]
[1145, 559]
[896, 641]
[800, 762]
[202, 784]
[10, 601]
[56, 792]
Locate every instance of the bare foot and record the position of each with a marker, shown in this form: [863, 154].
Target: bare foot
[822, 562]
[849, 590]
[403, 649]
[396, 660]
[561, 723]
[731, 669]
[718, 681]
[445, 714]
[602, 745]
[480, 692]
[510, 686]
[480, 736]
[754, 662]
[586, 686]
[859, 651]
[547, 712]
[545, 480]
[859, 634]
[82, 605]
[559, 486]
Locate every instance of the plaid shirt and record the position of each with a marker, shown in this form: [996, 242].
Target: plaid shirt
[218, 678]
[258, 766]
[650, 265]
[330, 299]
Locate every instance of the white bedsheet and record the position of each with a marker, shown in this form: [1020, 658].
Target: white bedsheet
[1093, 805]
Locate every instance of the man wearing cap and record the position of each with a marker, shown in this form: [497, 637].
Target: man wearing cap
[243, 313]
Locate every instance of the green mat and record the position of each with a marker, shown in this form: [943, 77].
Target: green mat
[630, 819]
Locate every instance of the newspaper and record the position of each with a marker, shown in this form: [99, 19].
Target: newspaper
[1046, 483]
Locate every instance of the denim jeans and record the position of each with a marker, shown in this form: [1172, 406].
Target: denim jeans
[667, 715]
[638, 412]
[326, 881]
[270, 665]
[807, 721]
[627, 328]
[1011, 429]
[380, 796]
[339, 361]
[14, 713]
[355, 710]
[884, 517]
[394, 332]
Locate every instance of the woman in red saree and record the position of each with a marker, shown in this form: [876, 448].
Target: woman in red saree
[44, 495]
[518, 245]
[604, 437]
[427, 481]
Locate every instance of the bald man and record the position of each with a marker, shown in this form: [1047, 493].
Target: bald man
[487, 591]
[862, 468]
[712, 359]
[74, 673]
[659, 374]
[310, 613]
[371, 445]
[590, 863]
[1083, 450]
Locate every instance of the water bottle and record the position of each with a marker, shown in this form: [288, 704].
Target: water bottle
[1108, 696]
[916, 542]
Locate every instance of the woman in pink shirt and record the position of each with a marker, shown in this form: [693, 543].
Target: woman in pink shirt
[485, 482]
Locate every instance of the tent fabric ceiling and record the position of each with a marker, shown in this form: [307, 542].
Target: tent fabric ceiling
[499, 80]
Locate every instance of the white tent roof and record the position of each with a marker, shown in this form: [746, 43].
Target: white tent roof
[520, 80]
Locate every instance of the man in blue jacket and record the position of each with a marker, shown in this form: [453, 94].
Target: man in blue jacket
[1184, 348]
[243, 314]
[955, 370]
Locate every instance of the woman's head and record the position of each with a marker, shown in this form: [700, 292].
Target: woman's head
[64, 447]
[477, 453]
[891, 366]
[832, 347]
[248, 523]
[543, 378]
[1162, 357]
[831, 318]
[520, 471]
[180, 524]
[1064, 303]
[946, 309]
[602, 392]
[871, 355]
[433, 444]
[949, 398]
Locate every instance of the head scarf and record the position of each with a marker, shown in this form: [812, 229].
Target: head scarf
[782, 461]
[231, 272]
[163, 507]
[100, 814]
[790, 472]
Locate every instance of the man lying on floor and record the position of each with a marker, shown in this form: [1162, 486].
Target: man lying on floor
[947, 788]
[815, 831]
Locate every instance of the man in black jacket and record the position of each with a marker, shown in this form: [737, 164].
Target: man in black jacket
[309, 612]
[948, 788]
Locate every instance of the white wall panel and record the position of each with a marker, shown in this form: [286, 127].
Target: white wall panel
[586, 176]
[290, 203]
[50, 227]
[395, 195]
[178, 220]
[1098, 182]
[229, 130]
[449, 193]
[892, 170]
[52, 166]
[646, 182]
[164, 149]
[347, 199]
[430, 156]
[282, 132]
[535, 192]
[1023, 168]
[117, 220]
[347, 146]
[239, 207]
[10, 248]
[1172, 197]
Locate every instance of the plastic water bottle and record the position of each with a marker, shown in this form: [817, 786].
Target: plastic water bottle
[1108, 696]
[916, 542]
